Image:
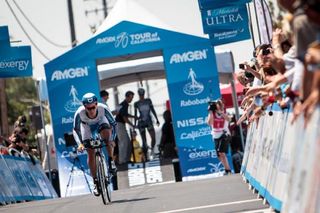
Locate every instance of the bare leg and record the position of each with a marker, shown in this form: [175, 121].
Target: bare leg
[152, 134]
[105, 134]
[91, 162]
[224, 160]
[144, 140]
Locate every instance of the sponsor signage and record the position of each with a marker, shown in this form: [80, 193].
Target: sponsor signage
[192, 81]
[71, 83]
[209, 4]
[226, 24]
[14, 61]
[74, 74]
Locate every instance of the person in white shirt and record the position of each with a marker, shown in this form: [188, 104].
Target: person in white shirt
[219, 122]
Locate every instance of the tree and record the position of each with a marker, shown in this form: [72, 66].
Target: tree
[21, 95]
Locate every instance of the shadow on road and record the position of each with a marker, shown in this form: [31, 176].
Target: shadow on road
[132, 200]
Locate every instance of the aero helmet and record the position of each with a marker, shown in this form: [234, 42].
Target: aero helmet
[141, 91]
[89, 98]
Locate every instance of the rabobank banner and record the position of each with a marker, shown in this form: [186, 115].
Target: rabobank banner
[66, 86]
[226, 24]
[14, 61]
[192, 82]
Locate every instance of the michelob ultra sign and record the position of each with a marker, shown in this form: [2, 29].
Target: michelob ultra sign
[226, 24]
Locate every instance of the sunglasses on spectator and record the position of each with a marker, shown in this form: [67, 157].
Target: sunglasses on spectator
[91, 108]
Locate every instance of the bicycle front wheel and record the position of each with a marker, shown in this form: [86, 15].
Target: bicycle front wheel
[108, 181]
[101, 176]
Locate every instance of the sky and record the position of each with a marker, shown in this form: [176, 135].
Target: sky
[51, 19]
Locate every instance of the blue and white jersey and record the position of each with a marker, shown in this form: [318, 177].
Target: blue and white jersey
[84, 127]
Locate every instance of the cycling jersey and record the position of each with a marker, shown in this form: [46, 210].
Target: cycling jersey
[145, 107]
[85, 127]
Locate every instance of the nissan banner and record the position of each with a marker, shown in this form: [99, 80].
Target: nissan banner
[192, 82]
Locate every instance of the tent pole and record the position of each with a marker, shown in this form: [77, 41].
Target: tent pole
[44, 131]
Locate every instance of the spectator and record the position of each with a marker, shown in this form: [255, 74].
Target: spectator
[104, 95]
[145, 107]
[18, 139]
[20, 122]
[219, 122]
[122, 119]
[167, 145]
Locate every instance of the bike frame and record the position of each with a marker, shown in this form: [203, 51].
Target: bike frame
[102, 170]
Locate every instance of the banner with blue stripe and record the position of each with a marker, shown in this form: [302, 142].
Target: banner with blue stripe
[210, 4]
[193, 81]
[226, 24]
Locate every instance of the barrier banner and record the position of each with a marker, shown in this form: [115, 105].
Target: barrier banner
[44, 180]
[37, 177]
[22, 179]
[282, 162]
[14, 61]
[226, 24]
[210, 4]
[192, 82]
[8, 186]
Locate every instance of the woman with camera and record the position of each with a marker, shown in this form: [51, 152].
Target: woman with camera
[218, 120]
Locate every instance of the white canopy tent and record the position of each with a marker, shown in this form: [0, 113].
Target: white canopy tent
[176, 15]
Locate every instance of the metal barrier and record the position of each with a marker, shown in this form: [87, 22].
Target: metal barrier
[281, 161]
[22, 179]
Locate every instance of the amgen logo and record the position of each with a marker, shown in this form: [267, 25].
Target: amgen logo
[69, 73]
[189, 56]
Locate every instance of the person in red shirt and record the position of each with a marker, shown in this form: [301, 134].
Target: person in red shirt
[218, 120]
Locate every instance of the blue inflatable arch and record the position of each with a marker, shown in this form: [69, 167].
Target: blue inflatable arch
[189, 63]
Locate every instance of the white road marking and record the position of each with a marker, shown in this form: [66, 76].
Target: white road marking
[268, 210]
[211, 206]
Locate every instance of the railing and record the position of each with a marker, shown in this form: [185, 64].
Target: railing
[22, 178]
[281, 161]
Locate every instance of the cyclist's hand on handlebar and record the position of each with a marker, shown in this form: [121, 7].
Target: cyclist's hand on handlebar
[80, 148]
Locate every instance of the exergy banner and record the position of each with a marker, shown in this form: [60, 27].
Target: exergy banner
[14, 61]
[192, 82]
[66, 87]
[226, 24]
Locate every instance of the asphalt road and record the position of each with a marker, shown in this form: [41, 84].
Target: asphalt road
[223, 194]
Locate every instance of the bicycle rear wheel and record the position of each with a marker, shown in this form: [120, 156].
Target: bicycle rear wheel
[101, 176]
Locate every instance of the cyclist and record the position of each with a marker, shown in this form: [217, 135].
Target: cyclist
[145, 107]
[91, 118]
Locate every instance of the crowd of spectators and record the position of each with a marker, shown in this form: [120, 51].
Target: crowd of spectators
[287, 70]
[16, 144]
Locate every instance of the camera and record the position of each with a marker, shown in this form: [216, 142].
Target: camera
[241, 66]
[212, 106]
[17, 138]
[265, 51]
[69, 139]
[248, 74]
